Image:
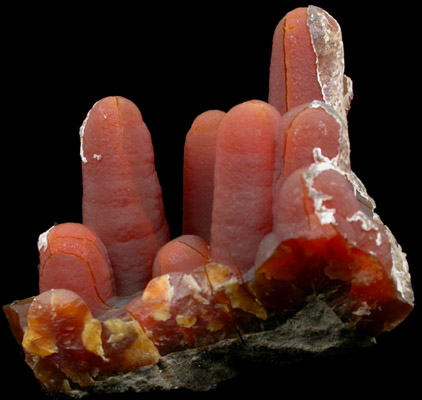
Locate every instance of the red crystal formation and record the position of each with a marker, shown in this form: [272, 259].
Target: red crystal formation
[122, 199]
[182, 254]
[307, 62]
[244, 174]
[64, 343]
[182, 310]
[72, 256]
[198, 173]
[273, 216]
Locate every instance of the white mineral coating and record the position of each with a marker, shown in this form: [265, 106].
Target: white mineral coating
[327, 42]
[43, 240]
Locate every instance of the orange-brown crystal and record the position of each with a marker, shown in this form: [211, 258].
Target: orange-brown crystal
[63, 339]
[354, 282]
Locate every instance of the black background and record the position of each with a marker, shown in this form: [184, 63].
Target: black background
[176, 61]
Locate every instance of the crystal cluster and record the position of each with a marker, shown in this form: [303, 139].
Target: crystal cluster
[273, 218]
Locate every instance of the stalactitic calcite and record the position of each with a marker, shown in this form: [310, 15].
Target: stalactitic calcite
[306, 126]
[198, 174]
[307, 62]
[182, 254]
[72, 257]
[281, 254]
[122, 199]
[243, 182]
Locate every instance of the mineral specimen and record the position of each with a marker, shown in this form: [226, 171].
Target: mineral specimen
[73, 257]
[307, 62]
[327, 244]
[122, 199]
[186, 310]
[244, 174]
[63, 341]
[282, 254]
[182, 254]
[198, 174]
[304, 127]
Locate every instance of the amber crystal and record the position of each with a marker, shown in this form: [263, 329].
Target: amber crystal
[181, 310]
[281, 256]
[74, 346]
[330, 247]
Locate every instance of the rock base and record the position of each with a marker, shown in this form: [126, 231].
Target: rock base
[313, 332]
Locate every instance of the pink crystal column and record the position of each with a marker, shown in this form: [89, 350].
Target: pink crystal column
[293, 74]
[307, 62]
[182, 254]
[198, 174]
[244, 179]
[309, 131]
[72, 257]
[122, 199]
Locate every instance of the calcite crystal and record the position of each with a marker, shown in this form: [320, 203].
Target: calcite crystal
[307, 62]
[244, 173]
[187, 310]
[63, 341]
[122, 199]
[183, 254]
[73, 257]
[198, 174]
[327, 244]
[282, 255]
